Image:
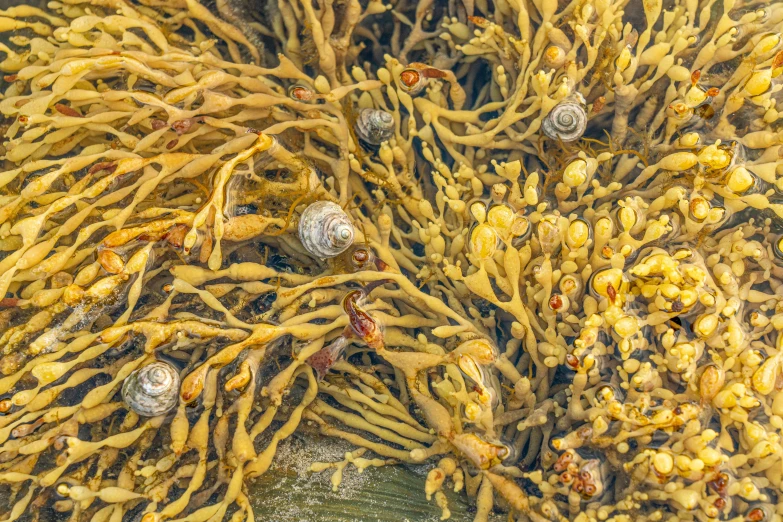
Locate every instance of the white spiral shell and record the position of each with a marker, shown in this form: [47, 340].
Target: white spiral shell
[567, 121]
[374, 126]
[325, 230]
[152, 390]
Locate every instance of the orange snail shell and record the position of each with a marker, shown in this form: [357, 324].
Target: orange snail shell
[412, 80]
[301, 93]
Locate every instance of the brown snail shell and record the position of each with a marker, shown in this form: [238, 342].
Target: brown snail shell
[325, 230]
[412, 80]
[355, 259]
[301, 93]
[374, 126]
[152, 390]
[567, 120]
[760, 512]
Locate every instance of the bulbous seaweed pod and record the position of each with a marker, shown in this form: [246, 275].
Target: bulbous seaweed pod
[554, 57]
[374, 126]
[567, 121]
[325, 230]
[152, 390]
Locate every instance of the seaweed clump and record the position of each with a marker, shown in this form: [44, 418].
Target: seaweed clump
[561, 283]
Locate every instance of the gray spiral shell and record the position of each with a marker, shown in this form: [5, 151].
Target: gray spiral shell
[777, 247]
[374, 126]
[567, 121]
[152, 390]
[325, 230]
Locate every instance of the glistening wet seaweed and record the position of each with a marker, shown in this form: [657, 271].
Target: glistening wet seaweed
[540, 253]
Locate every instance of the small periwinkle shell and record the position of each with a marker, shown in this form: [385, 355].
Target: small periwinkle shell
[759, 512]
[301, 93]
[609, 392]
[355, 259]
[325, 230]
[571, 286]
[605, 282]
[567, 121]
[777, 248]
[374, 126]
[152, 390]
[412, 81]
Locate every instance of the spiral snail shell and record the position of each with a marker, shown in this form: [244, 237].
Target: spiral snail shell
[606, 282]
[412, 81]
[609, 392]
[356, 259]
[301, 93]
[152, 390]
[374, 126]
[325, 230]
[777, 248]
[571, 287]
[758, 512]
[567, 121]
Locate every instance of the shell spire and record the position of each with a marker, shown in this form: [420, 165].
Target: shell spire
[325, 230]
[374, 126]
[567, 120]
[152, 390]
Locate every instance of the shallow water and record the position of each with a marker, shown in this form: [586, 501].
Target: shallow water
[289, 492]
